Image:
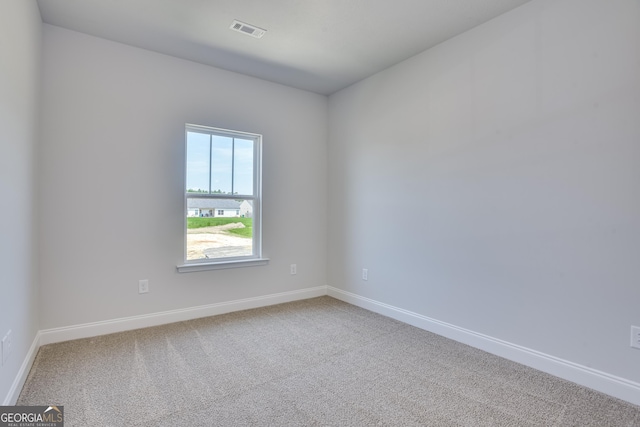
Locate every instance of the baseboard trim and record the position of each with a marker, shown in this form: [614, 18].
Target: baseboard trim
[23, 373]
[86, 330]
[600, 381]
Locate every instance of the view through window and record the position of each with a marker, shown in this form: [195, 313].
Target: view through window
[222, 195]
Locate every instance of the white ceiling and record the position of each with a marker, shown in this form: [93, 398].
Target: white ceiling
[317, 45]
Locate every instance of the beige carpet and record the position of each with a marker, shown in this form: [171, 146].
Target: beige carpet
[318, 362]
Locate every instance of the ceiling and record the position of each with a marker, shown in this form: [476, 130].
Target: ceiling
[317, 45]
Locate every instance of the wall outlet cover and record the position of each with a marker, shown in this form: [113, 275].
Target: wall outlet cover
[635, 337]
[6, 347]
[143, 286]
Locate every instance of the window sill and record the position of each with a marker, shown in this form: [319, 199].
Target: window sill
[188, 268]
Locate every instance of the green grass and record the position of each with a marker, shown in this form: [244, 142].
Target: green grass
[242, 232]
[247, 231]
[196, 222]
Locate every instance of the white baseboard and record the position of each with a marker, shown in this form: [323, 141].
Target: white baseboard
[86, 330]
[23, 373]
[585, 376]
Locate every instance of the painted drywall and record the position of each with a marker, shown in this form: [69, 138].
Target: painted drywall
[112, 180]
[20, 56]
[512, 151]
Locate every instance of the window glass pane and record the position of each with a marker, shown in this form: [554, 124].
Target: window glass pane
[197, 162]
[221, 161]
[215, 229]
[243, 167]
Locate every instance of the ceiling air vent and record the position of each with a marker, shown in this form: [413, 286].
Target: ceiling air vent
[247, 29]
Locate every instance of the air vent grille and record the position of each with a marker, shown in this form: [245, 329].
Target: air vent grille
[247, 29]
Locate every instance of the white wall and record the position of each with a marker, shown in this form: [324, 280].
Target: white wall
[514, 149]
[113, 138]
[20, 53]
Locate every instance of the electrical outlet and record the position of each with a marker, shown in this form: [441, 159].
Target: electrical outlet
[635, 337]
[143, 286]
[294, 269]
[365, 274]
[6, 347]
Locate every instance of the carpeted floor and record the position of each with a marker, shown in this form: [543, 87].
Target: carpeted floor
[318, 362]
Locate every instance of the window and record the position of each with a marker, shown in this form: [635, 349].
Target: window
[222, 176]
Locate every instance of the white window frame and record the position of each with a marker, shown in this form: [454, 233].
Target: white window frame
[256, 258]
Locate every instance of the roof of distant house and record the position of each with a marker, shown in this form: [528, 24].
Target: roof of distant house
[207, 203]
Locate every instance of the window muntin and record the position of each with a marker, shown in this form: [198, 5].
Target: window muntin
[222, 195]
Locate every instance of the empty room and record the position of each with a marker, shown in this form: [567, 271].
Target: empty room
[356, 212]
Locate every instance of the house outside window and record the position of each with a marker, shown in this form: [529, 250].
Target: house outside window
[223, 175]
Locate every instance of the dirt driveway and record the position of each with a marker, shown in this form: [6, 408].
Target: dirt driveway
[215, 242]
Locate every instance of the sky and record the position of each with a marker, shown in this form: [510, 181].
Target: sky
[221, 153]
